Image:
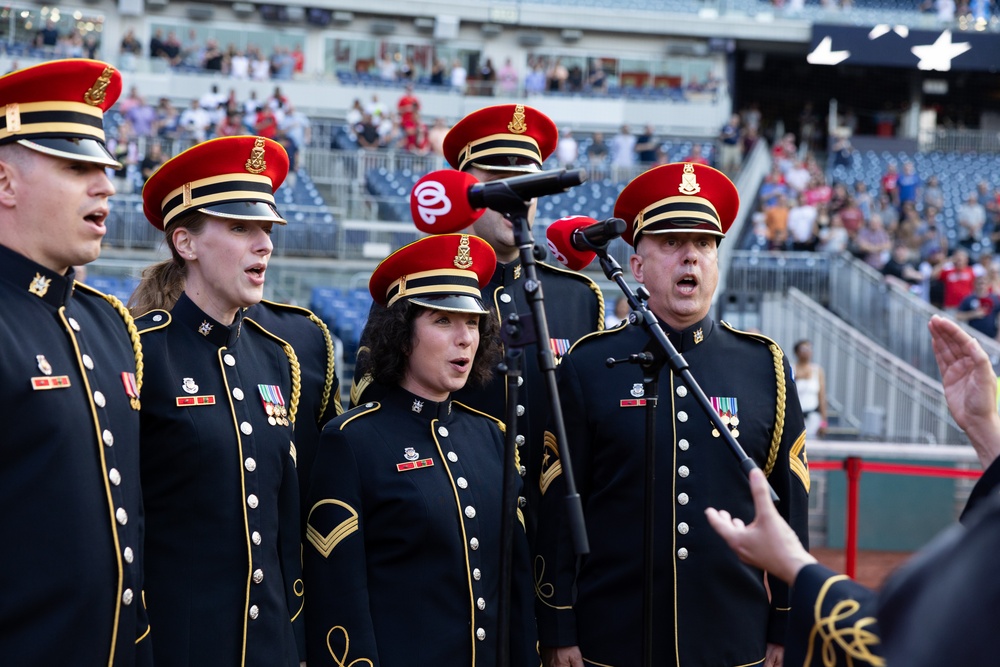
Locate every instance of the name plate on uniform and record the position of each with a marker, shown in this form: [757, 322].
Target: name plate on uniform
[50, 382]
[189, 401]
[413, 465]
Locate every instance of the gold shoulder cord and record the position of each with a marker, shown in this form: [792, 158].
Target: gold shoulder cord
[779, 410]
[600, 305]
[133, 334]
[293, 361]
[330, 369]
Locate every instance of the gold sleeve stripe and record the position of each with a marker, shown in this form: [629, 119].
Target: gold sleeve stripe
[854, 640]
[800, 466]
[550, 471]
[325, 544]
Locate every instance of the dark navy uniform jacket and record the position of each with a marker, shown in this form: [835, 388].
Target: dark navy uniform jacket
[403, 555]
[709, 609]
[72, 522]
[320, 399]
[940, 608]
[221, 492]
[574, 307]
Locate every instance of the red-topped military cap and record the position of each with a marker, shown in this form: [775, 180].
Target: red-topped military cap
[231, 177]
[506, 137]
[678, 197]
[57, 108]
[443, 272]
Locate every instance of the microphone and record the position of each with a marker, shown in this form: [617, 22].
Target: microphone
[495, 194]
[573, 240]
[439, 202]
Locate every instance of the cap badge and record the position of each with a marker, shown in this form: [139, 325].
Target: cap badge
[410, 454]
[13, 113]
[189, 386]
[638, 390]
[99, 90]
[43, 364]
[39, 285]
[256, 163]
[205, 328]
[689, 184]
[463, 260]
[699, 336]
[517, 124]
[418, 406]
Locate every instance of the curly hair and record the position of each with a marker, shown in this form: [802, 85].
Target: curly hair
[389, 343]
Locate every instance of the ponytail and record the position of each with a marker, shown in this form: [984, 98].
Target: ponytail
[163, 283]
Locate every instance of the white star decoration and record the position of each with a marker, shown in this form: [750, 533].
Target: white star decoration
[938, 56]
[884, 28]
[823, 55]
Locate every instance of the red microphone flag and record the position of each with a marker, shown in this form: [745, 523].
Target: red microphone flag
[439, 202]
[559, 239]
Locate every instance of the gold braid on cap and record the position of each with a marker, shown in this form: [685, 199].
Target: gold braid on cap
[779, 410]
[133, 334]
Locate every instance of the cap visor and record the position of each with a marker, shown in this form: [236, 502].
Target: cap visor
[525, 168]
[80, 149]
[245, 210]
[453, 303]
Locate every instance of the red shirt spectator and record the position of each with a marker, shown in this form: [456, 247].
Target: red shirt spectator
[958, 278]
[266, 125]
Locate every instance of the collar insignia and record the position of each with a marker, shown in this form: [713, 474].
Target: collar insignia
[517, 124]
[699, 336]
[39, 285]
[205, 328]
[689, 184]
[418, 405]
[256, 163]
[517, 272]
[463, 260]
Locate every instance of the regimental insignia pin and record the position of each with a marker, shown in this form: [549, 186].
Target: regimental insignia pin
[418, 405]
[689, 183]
[205, 328]
[131, 389]
[517, 272]
[727, 409]
[99, 90]
[463, 260]
[39, 285]
[699, 336]
[637, 390]
[43, 364]
[517, 125]
[274, 404]
[410, 454]
[189, 386]
[256, 163]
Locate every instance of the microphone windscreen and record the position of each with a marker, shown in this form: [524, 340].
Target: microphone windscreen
[559, 237]
[439, 202]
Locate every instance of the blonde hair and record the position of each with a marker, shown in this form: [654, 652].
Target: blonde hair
[163, 283]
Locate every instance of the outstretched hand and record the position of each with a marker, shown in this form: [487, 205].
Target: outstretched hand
[768, 543]
[970, 385]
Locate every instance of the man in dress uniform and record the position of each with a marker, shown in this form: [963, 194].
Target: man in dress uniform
[708, 608]
[71, 572]
[494, 143]
[938, 609]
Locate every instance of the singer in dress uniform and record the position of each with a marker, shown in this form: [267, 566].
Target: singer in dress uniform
[708, 608]
[71, 583]
[319, 401]
[937, 609]
[493, 143]
[222, 396]
[403, 550]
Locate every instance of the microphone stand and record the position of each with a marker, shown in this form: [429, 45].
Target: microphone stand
[652, 362]
[516, 337]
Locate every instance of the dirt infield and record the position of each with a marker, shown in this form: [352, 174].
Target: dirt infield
[873, 566]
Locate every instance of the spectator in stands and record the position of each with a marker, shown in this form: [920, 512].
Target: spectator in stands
[933, 194]
[785, 152]
[556, 76]
[957, 277]
[773, 185]
[211, 100]
[819, 192]
[598, 79]
[407, 106]
[355, 113]
[192, 51]
[909, 184]
[366, 133]
[619, 314]
[988, 199]
[50, 34]
[567, 150]
[730, 150]
[890, 183]
[298, 59]
[260, 67]
[459, 76]
[250, 107]
[282, 64]
[438, 71]
[623, 153]
[239, 65]
[266, 124]
[863, 198]
[931, 234]
[798, 177]
[695, 156]
[152, 160]
[388, 130]
[167, 117]
[810, 384]
[843, 152]
[387, 69]
[295, 125]
[534, 82]
[834, 239]
[436, 134]
[647, 147]
[131, 50]
[872, 243]
[597, 150]
[124, 148]
[213, 58]
[809, 131]
[802, 227]
[971, 217]
[230, 126]
[901, 268]
[980, 309]
[487, 77]
[776, 219]
[142, 117]
[194, 122]
[507, 79]
[984, 263]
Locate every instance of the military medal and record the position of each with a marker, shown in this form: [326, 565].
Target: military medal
[726, 408]
[131, 389]
[274, 404]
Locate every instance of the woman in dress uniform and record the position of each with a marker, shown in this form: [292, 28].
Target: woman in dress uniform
[404, 525]
[223, 571]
